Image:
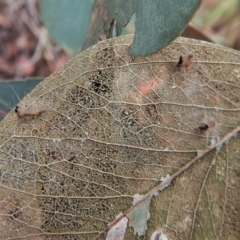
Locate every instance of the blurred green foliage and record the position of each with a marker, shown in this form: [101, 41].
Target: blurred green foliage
[67, 21]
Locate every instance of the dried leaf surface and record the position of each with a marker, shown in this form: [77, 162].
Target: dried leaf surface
[115, 126]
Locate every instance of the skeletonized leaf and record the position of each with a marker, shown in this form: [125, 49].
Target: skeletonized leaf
[116, 126]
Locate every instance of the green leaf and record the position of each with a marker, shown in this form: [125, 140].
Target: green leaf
[159, 22]
[121, 11]
[108, 19]
[155, 27]
[67, 21]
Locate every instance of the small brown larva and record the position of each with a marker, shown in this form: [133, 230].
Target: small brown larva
[206, 126]
[185, 60]
[209, 127]
[33, 111]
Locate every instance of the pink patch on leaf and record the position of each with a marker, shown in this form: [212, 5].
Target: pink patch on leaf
[152, 84]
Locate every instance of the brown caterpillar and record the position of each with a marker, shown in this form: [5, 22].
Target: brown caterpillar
[185, 60]
[29, 112]
[206, 126]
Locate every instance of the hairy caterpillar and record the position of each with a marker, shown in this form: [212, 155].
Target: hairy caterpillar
[29, 110]
[185, 60]
[32, 111]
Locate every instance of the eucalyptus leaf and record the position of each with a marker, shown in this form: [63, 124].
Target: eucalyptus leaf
[108, 19]
[158, 23]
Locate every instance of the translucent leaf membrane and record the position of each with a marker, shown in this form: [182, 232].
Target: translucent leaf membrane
[116, 126]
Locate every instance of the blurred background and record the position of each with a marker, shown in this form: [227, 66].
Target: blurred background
[38, 36]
